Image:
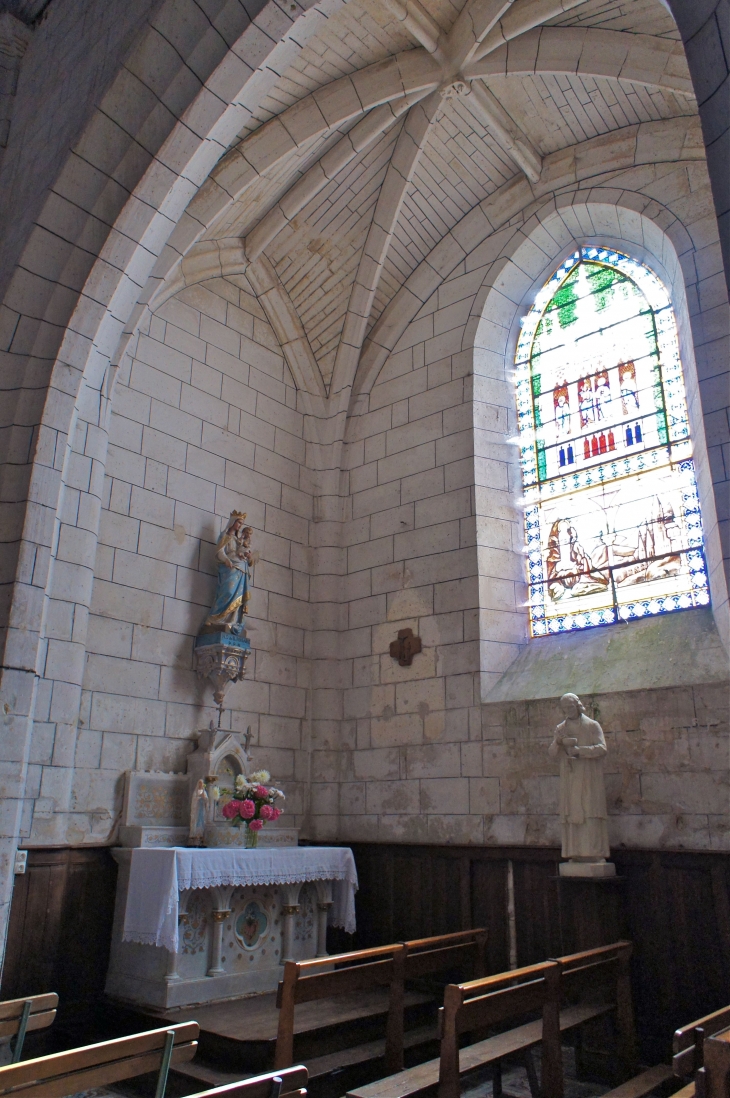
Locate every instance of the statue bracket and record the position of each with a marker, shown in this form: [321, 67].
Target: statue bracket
[221, 658]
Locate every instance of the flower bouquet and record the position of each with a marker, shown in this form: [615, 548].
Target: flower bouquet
[252, 804]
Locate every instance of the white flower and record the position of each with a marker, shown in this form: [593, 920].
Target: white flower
[215, 793]
[260, 777]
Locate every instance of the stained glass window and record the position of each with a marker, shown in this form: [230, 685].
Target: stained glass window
[612, 514]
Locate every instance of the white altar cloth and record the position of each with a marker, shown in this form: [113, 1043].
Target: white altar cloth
[158, 876]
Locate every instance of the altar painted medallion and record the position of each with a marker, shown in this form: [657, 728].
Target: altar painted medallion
[252, 924]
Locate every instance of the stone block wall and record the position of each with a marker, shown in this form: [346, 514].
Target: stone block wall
[666, 769]
[404, 513]
[434, 542]
[391, 767]
[204, 422]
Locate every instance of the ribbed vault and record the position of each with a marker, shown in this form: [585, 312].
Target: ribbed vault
[391, 122]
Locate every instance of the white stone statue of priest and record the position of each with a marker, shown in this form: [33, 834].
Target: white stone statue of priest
[582, 749]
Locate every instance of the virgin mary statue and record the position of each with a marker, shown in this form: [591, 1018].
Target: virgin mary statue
[233, 553]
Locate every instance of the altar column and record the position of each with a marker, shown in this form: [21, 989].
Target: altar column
[289, 911]
[221, 910]
[174, 958]
[324, 903]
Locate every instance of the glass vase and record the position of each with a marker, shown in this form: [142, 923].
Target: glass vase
[252, 838]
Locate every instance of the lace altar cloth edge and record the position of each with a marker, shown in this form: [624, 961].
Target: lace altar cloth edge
[158, 876]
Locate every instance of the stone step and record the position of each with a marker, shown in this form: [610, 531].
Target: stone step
[329, 1074]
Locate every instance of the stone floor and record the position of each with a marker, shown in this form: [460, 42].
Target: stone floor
[514, 1084]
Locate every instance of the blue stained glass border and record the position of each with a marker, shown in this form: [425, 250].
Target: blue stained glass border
[676, 454]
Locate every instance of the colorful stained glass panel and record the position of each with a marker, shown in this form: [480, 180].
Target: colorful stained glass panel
[612, 515]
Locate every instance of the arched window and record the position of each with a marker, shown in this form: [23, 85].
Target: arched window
[612, 514]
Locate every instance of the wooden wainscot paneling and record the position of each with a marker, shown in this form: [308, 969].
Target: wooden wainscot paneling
[674, 906]
[60, 928]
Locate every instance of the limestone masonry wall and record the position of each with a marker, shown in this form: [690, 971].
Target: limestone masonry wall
[404, 515]
[203, 422]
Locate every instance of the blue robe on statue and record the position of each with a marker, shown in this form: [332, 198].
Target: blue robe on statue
[231, 596]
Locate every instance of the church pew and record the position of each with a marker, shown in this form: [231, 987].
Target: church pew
[66, 1073]
[424, 957]
[495, 994]
[21, 1016]
[604, 974]
[597, 983]
[688, 1042]
[492, 1001]
[713, 1079]
[642, 1085]
[286, 1083]
[364, 969]
[361, 970]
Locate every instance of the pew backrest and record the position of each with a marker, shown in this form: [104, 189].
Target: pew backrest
[65, 1073]
[604, 974]
[688, 1041]
[424, 957]
[391, 966]
[595, 971]
[21, 1016]
[713, 1078]
[287, 1083]
[494, 1001]
[325, 977]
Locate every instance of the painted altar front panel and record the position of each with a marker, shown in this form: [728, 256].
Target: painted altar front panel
[251, 944]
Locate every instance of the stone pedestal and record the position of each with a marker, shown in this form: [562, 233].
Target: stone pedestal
[598, 869]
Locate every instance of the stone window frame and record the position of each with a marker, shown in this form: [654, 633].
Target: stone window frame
[614, 258]
[522, 268]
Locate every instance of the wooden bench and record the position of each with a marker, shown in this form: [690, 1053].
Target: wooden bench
[385, 966]
[99, 1065]
[287, 1083]
[713, 1079]
[603, 975]
[483, 1004]
[688, 1042]
[423, 957]
[305, 981]
[21, 1016]
[642, 1084]
[595, 984]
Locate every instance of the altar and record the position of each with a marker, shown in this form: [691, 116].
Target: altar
[194, 925]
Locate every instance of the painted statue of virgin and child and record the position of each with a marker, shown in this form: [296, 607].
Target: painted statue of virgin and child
[235, 560]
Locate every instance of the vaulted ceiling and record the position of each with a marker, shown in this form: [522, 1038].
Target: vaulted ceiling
[380, 123]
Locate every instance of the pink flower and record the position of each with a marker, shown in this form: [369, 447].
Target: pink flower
[261, 791]
[276, 813]
[231, 810]
[247, 809]
[266, 812]
[255, 825]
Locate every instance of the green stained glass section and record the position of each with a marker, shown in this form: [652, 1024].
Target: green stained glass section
[613, 523]
[565, 302]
